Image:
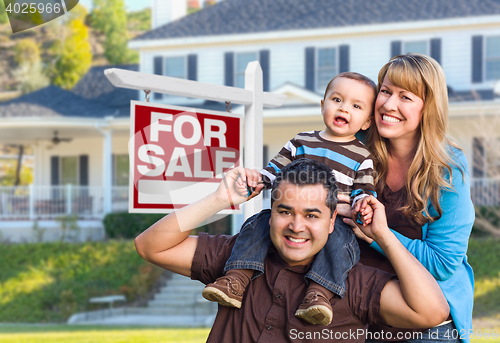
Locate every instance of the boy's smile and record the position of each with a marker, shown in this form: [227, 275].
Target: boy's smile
[346, 109]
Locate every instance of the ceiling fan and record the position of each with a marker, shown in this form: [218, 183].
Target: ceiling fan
[56, 140]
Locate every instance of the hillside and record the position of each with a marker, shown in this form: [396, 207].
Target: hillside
[46, 35]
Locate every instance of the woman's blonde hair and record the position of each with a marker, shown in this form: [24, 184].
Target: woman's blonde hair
[424, 77]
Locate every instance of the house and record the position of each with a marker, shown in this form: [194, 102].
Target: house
[300, 45]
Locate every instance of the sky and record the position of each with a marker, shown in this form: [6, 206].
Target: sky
[131, 5]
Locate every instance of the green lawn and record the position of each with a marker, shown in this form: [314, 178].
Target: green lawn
[112, 334]
[98, 334]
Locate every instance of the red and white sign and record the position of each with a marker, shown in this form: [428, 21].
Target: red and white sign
[178, 155]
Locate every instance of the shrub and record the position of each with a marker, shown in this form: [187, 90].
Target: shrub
[128, 225]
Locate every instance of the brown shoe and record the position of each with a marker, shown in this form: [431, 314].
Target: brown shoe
[315, 309]
[226, 290]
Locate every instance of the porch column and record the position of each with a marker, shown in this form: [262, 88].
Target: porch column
[107, 176]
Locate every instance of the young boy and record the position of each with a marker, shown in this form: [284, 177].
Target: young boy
[346, 108]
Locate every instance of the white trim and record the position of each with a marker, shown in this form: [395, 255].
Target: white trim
[305, 34]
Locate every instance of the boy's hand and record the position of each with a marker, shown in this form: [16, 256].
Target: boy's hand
[378, 227]
[254, 182]
[363, 211]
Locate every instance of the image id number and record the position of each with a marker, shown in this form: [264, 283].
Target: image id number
[26, 8]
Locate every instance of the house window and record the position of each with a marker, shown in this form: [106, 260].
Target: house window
[492, 58]
[120, 170]
[242, 61]
[417, 46]
[326, 67]
[69, 170]
[176, 67]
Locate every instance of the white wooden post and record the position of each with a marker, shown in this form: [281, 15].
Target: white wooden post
[253, 130]
[68, 198]
[32, 201]
[107, 170]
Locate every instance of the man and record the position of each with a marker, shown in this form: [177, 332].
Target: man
[302, 215]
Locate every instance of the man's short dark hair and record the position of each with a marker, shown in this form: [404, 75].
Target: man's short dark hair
[305, 172]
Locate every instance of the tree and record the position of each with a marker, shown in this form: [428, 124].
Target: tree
[110, 18]
[3, 14]
[26, 52]
[75, 56]
[31, 77]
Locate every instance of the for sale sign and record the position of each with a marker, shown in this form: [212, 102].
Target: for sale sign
[179, 155]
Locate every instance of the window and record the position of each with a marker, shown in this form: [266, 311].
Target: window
[417, 46]
[69, 170]
[120, 170]
[326, 67]
[492, 58]
[242, 61]
[176, 67]
[493, 157]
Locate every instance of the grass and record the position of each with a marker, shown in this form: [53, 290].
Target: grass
[111, 334]
[484, 257]
[47, 282]
[98, 334]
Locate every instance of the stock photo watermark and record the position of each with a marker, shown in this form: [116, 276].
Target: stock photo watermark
[27, 14]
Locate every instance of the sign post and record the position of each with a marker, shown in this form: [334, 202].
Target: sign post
[252, 97]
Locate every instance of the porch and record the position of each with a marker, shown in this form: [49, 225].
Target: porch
[87, 202]
[50, 202]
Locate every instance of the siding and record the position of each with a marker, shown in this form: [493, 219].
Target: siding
[367, 55]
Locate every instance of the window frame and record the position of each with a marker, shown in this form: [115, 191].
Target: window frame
[61, 170]
[235, 66]
[317, 86]
[427, 46]
[485, 59]
[115, 170]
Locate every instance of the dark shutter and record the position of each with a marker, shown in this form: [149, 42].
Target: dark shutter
[479, 158]
[344, 58]
[229, 69]
[396, 48]
[84, 170]
[54, 170]
[477, 59]
[309, 77]
[158, 70]
[436, 49]
[264, 63]
[193, 67]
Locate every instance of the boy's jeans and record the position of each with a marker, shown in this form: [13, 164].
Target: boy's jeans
[329, 269]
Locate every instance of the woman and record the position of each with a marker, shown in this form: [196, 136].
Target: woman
[423, 181]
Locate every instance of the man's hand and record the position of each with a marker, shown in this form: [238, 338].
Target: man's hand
[233, 188]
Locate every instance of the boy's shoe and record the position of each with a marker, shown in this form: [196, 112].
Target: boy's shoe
[315, 309]
[226, 290]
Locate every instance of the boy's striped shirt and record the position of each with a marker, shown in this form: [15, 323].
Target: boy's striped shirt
[351, 161]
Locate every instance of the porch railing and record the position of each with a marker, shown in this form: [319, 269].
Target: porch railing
[49, 202]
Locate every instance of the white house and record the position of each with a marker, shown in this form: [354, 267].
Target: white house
[300, 44]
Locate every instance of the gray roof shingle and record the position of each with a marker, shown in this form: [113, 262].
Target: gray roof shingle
[53, 101]
[252, 16]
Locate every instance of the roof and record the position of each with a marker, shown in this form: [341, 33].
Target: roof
[252, 16]
[95, 86]
[53, 101]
